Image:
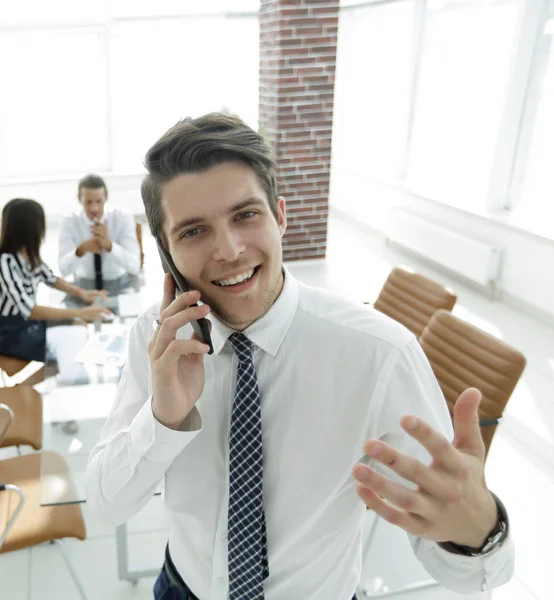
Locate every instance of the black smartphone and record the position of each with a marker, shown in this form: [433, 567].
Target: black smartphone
[201, 327]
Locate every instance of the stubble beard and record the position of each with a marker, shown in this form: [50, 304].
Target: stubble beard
[239, 322]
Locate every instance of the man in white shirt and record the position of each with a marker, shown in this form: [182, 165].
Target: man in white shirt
[327, 383]
[99, 243]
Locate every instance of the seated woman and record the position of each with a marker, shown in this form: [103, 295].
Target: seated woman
[25, 327]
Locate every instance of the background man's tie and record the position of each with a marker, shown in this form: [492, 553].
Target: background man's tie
[98, 280]
[248, 566]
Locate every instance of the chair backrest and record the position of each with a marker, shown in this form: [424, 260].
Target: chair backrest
[463, 356]
[6, 419]
[11, 365]
[26, 405]
[138, 229]
[412, 299]
[36, 524]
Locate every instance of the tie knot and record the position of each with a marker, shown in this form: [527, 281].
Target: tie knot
[242, 346]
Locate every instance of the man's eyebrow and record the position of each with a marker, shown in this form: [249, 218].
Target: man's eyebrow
[249, 202]
[254, 201]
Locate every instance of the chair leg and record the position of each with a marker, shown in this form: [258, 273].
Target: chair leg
[71, 571]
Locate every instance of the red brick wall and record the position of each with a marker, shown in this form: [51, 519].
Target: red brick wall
[298, 42]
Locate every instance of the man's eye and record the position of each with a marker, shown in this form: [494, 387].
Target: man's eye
[191, 232]
[247, 214]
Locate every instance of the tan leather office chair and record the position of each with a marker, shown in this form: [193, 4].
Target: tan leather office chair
[23, 521]
[10, 366]
[463, 356]
[138, 229]
[26, 426]
[412, 299]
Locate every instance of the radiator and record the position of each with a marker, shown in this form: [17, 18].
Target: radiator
[473, 259]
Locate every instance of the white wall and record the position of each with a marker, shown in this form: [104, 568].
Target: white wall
[527, 277]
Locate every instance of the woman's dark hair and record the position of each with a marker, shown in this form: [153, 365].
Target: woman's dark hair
[23, 228]
[195, 145]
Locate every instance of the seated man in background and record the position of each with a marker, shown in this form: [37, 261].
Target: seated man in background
[98, 243]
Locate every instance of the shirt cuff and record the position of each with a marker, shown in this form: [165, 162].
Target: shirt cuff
[155, 442]
[467, 574]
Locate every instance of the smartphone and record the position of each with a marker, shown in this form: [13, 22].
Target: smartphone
[201, 327]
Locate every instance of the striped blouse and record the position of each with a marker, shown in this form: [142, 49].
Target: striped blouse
[18, 285]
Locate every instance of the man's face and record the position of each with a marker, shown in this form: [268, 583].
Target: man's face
[220, 229]
[93, 201]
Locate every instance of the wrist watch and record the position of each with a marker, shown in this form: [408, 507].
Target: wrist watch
[496, 537]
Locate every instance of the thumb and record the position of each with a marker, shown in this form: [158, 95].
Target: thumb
[467, 434]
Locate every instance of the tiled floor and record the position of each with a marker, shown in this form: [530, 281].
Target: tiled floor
[520, 467]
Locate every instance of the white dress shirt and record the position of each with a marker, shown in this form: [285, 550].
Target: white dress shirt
[331, 374]
[125, 253]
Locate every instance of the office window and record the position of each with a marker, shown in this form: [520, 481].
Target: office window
[33, 13]
[372, 91]
[465, 65]
[166, 69]
[147, 8]
[536, 193]
[53, 102]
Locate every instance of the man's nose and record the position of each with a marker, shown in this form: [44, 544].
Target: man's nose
[228, 246]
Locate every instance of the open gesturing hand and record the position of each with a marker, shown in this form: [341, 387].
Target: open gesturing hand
[452, 502]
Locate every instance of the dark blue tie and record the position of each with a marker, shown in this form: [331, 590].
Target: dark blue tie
[98, 280]
[247, 553]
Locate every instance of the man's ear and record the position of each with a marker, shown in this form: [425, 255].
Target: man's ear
[281, 215]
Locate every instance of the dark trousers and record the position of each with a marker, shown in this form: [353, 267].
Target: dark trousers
[170, 586]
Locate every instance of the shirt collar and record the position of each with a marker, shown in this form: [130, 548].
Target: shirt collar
[269, 331]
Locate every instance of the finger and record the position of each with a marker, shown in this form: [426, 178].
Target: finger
[182, 302]
[170, 326]
[406, 521]
[468, 438]
[409, 500]
[411, 469]
[169, 292]
[192, 350]
[443, 452]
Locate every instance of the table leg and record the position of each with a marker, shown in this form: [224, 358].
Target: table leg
[123, 572]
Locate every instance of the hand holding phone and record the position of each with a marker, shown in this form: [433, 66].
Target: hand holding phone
[200, 326]
[177, 365]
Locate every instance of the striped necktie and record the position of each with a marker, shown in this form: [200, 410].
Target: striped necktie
[247, 552]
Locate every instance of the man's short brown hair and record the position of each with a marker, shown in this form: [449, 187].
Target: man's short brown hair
[92, 182]
[195, 145]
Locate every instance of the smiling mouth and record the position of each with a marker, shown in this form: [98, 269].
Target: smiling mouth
[238, 280]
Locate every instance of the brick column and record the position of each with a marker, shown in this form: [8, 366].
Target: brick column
[298, 43]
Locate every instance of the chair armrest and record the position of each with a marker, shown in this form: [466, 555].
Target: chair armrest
[11, 488]
[6, 409]
[488, 422]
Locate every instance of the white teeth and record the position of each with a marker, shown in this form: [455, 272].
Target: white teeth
[235, 280]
